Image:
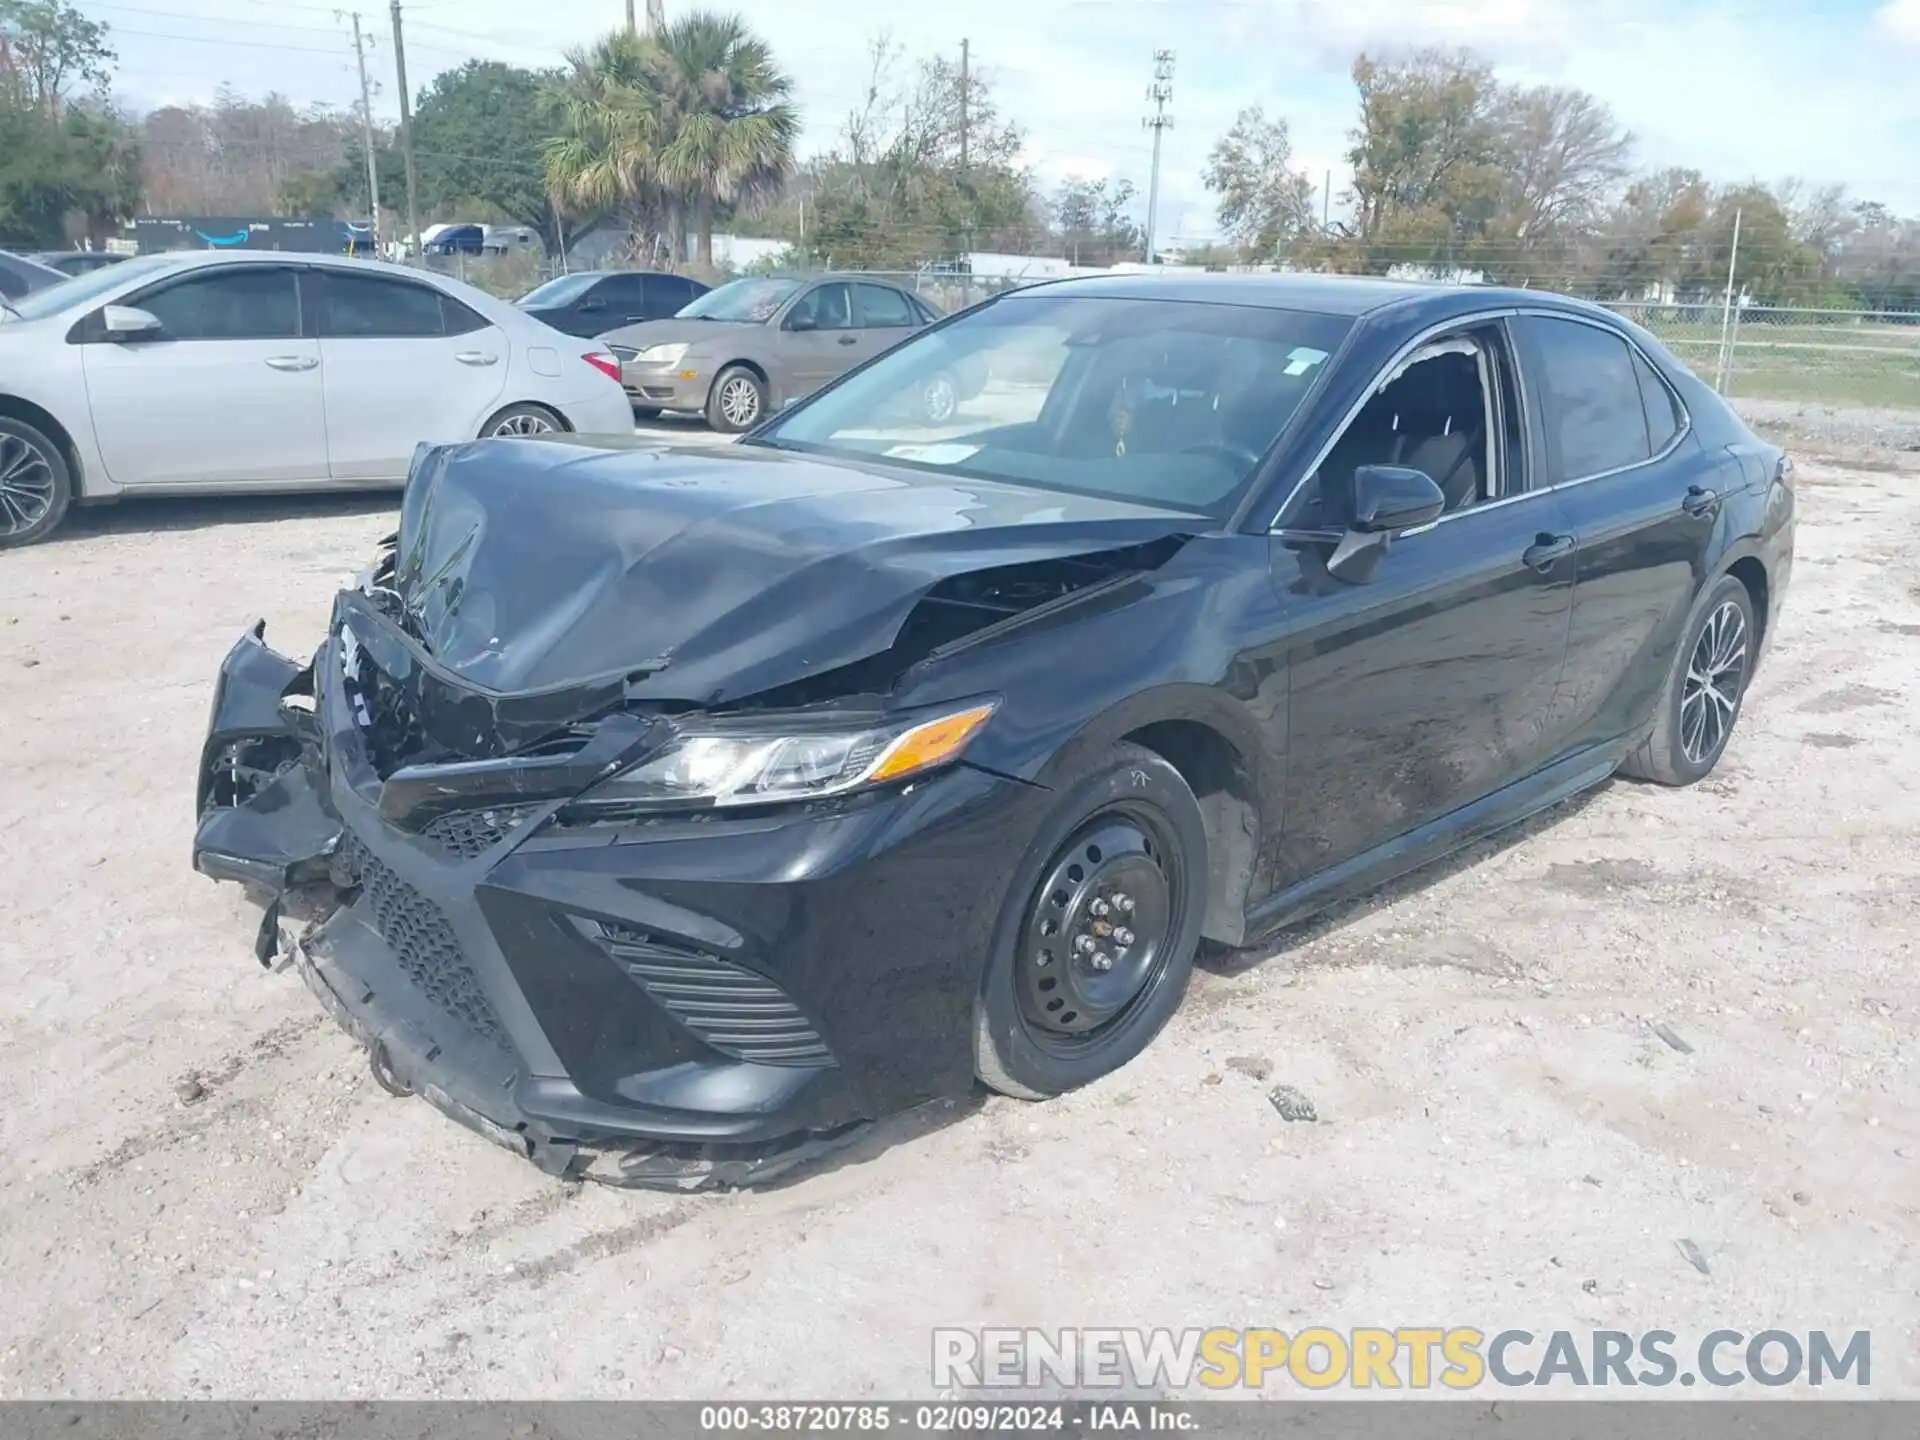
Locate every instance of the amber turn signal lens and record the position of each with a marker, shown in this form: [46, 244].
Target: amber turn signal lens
[930, 744]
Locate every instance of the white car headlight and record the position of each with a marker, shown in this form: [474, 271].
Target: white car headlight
[663, 354]
[777, 760]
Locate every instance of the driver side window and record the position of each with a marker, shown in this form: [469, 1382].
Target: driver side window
[1439, 415]
[829, 307]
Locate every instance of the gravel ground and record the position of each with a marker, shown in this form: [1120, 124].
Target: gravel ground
[206, 1195]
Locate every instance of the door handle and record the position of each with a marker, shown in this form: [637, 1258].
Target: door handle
[475, 357]
[849, 339]
[1547, 551]
[292, 362]
[1700, 500]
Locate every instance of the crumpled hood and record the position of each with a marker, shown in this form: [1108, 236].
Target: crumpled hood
[705, 575]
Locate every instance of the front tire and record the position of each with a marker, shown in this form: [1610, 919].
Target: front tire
[737, 402]
[1096, 940]
[1701, 701]
[36, 485]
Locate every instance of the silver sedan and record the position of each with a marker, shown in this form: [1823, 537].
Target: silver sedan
[174, 374]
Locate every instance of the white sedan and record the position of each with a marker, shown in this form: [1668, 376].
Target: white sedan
[198, 373]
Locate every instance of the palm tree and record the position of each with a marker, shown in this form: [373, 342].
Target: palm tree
[608, 129]
[726, 128]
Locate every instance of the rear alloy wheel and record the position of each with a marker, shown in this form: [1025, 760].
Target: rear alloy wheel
[939, 398]
[35, 484]
[1704, 691]
[522, 420]
[737, 401]
[1098, 952]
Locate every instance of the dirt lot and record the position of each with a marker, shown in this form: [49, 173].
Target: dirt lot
[1502, 1137]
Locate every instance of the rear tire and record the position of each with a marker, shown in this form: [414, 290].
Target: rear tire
[36, 484]
[737, 402]
[521, 420]
[1700, 703]
[1098, 931]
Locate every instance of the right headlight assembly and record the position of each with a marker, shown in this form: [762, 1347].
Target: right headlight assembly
[771, 760]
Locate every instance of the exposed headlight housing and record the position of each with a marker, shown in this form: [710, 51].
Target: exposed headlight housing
[663, 354]
[777, 760]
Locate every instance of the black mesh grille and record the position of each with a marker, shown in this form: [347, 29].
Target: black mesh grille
[735, 1010]
[422, 940]
[467, 833]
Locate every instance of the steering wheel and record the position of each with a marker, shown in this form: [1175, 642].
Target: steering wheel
[1237, 457]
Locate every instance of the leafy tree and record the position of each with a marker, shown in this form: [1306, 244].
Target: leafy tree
[477, 132]
[1094, 226]
[1426, 172]
[1264, 201]
[893, 194]
[50, 49]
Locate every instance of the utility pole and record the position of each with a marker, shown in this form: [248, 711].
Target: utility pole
[633, 27]
[1723, 370]
[656, 16]
[1160, 92]
[406, 125]
[965, 79]
[366, 133]
[1326, 203]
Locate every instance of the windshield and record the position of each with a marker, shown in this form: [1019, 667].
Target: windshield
[82, 288]
[559, 290]
[1164, 402]
[751, 301]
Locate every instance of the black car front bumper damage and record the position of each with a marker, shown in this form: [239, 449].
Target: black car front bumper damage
[683, 1003]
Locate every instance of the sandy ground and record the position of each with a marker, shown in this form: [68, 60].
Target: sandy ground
[1502, 1138]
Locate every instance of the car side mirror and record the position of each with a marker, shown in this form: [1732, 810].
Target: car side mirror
[802, 321]
[1380, 502]
[124, 322]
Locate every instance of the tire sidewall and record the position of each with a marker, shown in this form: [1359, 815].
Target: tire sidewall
[717, 416]
[1133, 775]
[500, 417]
[62, 482]
[1687, 771]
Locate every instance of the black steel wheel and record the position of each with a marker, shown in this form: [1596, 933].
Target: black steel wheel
[1098, 937]
[1705, 688]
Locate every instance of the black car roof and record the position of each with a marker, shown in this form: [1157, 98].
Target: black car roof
[1323, 294]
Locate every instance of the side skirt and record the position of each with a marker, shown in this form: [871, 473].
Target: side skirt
[1453, 831]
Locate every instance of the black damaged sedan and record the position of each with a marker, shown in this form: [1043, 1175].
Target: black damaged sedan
[669, 815]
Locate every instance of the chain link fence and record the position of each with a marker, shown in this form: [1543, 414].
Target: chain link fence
[1830, 357]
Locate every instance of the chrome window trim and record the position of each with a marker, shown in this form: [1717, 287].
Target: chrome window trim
[1527, 401]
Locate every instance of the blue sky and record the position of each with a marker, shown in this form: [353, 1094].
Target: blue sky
[1744, 89]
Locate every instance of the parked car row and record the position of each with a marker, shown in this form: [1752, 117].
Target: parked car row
[202, 372]
[739, 353]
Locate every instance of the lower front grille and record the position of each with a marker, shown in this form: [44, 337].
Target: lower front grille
[422, 939]
[735, 1010]
[467, 833]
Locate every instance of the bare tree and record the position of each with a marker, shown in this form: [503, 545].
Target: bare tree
[1564, 158]
[1264, 202]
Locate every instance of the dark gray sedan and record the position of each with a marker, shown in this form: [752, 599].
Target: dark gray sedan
[744, 350]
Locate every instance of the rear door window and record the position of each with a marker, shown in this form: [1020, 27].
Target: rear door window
[1593, 417]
